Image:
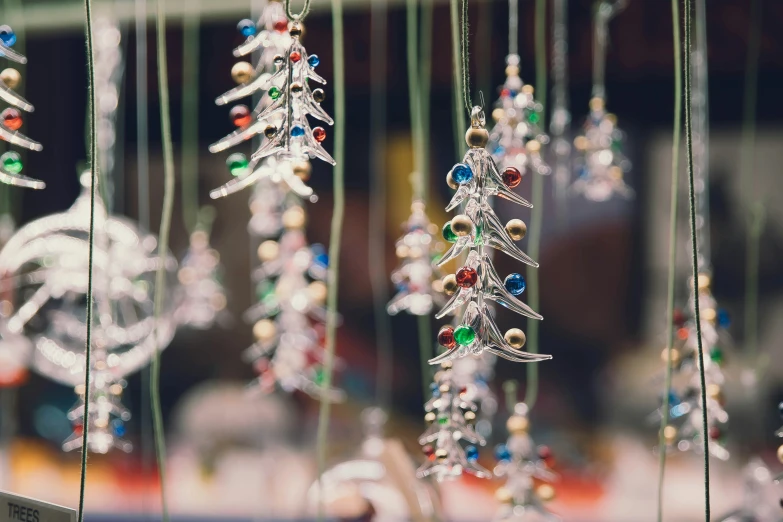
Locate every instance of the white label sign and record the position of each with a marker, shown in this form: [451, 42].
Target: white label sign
[15, 508]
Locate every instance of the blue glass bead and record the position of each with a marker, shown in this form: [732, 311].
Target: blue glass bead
[471, 453]
[435, 389]
[674, 400]
[461, 173]
[313, 60]
[584, 172]
[322, 259]
[297, 131]
[502, 453]
[499, 150]
[724, 319]
[515, 284]
[7, 35]
[118, 427]
[246, 27]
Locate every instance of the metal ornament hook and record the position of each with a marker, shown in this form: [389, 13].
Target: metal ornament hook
[477, 118]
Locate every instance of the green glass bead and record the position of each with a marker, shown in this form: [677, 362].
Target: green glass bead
[320, 376]
[716, 354]
[443, 419]
[479, 237]
[533, 117]
[237, 164]
[617, 145]
[449, 234]
[464, 335]
[274, 93]
[12, 162]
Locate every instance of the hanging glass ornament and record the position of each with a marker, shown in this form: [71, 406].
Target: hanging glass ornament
[601, 165]
[525, 467]
[11, 120]
[107, 416]
[46, 263]
[374, 484]
[684, 432]
[477, 281]
[202, 297]
[516, 139]
[451, 415]
[414, 277]
[760, 502]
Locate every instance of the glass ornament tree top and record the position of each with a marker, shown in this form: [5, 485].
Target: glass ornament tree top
[477, 282]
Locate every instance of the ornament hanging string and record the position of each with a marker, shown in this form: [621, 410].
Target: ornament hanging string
[537, 214]
[513, 27]
[672, 250]
[377, 239]
[457, 93]
[335, 240]
[93, 162]
[695, 252]
[463, 50]
[301, 15]
[163, 247]
[190, 75]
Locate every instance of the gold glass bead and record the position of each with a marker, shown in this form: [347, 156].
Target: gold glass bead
[264, 330]
[503, 495]
[268, 250]
[528, 89]
[450, 284]
[597, 104]
[675, 355]
[615, 172]
[294, 217]
[10, 77]
[533, 146]
[115, 389]
[611, 118]
[296, 29]
[302, 170]
[296, 88]
[430, 417]
[461, 225]
[477, 138]
[441, 454]
[242, 72]
[704, 282]
[709, 314]
[516, 229]
[517, 425]
[780, 453]
[79, 389]
[317, 291]
[444, 388]
[270, 131]
[515, 338]
[497, 114]
[318, 95]
[446, 365]
[581, 143]
[669, 434]
[512, 70]
[545, 492]
[470, 416]
[713, 391]
[450, 182]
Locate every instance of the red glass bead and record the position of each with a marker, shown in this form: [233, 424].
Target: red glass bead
[463, 390]
[545, 454]
[77, 429]
[446, 337]
[678, 317]
[504, 93]
[295, 56]
[319, 134]
[428, 450]
[281, 26]
[715, 433]
[467, 277]
[240, 115]
[12, 120]
[512, 177]
[682, 334]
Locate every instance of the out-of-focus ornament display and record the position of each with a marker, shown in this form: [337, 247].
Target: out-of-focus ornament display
[526, 469]
[202, 296]
[413, 278]
[516, 139]
[291, 291]
[759, 499]
[109, 72]
[106, 419]
[451, 414]
[375, 484]
[476, 282]
[684, 432]
[601, 165]
[46, 264]
[11, 119]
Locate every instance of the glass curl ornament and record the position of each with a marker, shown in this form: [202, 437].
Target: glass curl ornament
[451, 414]
[476, 282]
[291, 292]
[202, 297]
[684, 432]
[414, 276]
[11, 119]
[46, 265]
[374, 484]
[516, 138]
[526, 468]
[601, 165]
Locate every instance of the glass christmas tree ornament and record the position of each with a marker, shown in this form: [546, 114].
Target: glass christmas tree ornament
[515, 139]
[202, 297]
[527, 475]
[449, 426]
[415, 274]
[106, 417]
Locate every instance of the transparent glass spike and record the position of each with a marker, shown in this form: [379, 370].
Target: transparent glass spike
[12, 98]
[19, 180]
[238, 136]
[12, 55]
[17, 138]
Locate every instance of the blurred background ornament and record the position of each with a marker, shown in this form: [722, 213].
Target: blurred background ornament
[526, 468]
[416, 290]
[760, 501]
[375, 485]
[601, 165]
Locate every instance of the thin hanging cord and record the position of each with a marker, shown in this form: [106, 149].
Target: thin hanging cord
[377, 225]
[747, 175]
[460, 124]
[163, 247]
[463, 48]
[672, 250]
[301, 15]
[537, 215]
[335, 237]
[190, 76]
[93, 162]
[425, 73]
[695, 253]
[513, 26]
